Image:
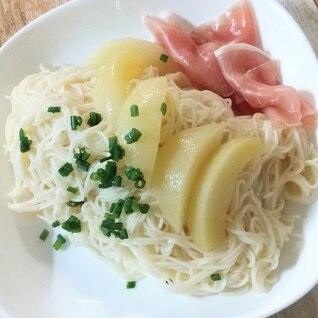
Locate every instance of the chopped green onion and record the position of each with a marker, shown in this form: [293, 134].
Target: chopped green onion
[73, 225]
[110, 172]
[95, 176]
[110, 169]
[105, 176]
[66, 169]
[134, 174]
[76, 121]
[123, 234]
[54, 109]
[94, 119]
[133, 136]
[84, 154]
[215, 277]
[74, 204]
[134, 111]
[112, 142]
[117, 152]
[112, 207]
[60, 240]
[131, 284]
[72, 190]
[131, 205]
[56, 223]
[25, 142]
[44, 234]
[128, 205]
[163, 108]
[111, 225]
[81, 159]
[164, 58]
[139, 184]
[116, 182]
[144, 208]
[107, 232]
[109, 216]
[116, 208]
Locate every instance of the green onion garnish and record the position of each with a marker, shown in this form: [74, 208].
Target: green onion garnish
[123, 234]
[60, 240]
[134, 174]
[73, 225]
[111, 225]
[94, 119]
[134, 111]
[107, 232]
[75, 122]
[144, 208]
[56, 223]
[54, 109]
[116, 208]
[105, 176]
[81, 159]
[133, 136]
[117, 152]
[109, 216]
[66, 169]
[131, 284]
[95, 176]
[140, 183]
[131, 205]
[72, 190]
[44, 234]
[215, 277]
[163, 108]
[74, 204]
[112, 142]
[116, 182]
[25, 142]
[111, 168]
[164, 58]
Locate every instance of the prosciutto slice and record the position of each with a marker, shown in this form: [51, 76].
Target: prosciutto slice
[237, 25]
[193, 52]
[255, 77]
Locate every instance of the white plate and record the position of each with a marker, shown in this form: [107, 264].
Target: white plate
[36, 281]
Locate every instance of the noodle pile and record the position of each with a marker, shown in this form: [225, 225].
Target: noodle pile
[257, 223]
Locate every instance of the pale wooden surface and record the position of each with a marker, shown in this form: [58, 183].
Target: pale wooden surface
[14, 14]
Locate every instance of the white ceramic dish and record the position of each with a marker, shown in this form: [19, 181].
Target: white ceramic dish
[36, 281]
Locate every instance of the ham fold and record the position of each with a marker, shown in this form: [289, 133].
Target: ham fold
[193, 52]
[255, 77]
[225, 56]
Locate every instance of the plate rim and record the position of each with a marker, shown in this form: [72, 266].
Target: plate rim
[34, 23]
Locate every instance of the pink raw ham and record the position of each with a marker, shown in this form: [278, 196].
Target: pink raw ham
[255, 77]
[194, 52]
[196, 61]
[237, 25]
[268, 73]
